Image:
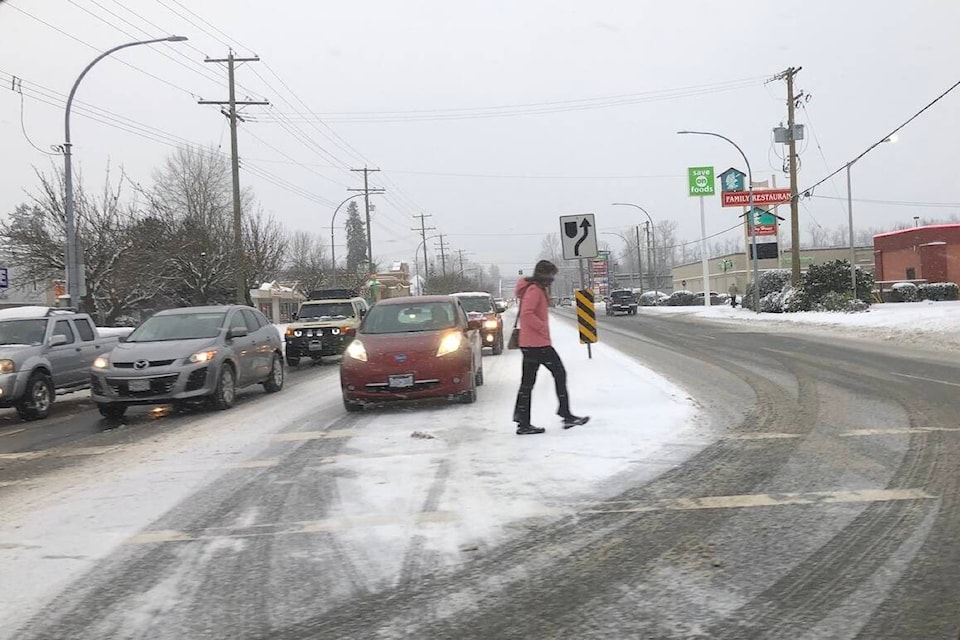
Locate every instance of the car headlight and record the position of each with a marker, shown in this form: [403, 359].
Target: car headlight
[203, 356]
[491, 324]
[7, 366]
[357, 351]
[450, 343]
[297, 333]
[335, 331]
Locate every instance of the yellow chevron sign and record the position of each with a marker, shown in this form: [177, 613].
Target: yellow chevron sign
[586, 316]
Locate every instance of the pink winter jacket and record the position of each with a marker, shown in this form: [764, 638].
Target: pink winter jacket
[534, 321]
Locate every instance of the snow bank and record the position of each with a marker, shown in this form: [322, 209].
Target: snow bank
[934, 323]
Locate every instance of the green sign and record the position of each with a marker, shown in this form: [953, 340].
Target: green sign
[763, 217]
[702, 182]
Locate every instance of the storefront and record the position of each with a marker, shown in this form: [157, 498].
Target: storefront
[277, 301]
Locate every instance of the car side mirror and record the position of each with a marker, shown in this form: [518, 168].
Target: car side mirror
[474, 325]
[363, 312]
[294, 317]
[58, 339]
[501, 308]
[237, 332]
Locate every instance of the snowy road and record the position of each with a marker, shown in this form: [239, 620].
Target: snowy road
[810, 490]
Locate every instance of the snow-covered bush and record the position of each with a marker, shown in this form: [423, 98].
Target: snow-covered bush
[682, 298]
[772, 281]
[938, 291]
[842, 302]
[903, 292]
[652, 298]
[125, 321]
[821, 279]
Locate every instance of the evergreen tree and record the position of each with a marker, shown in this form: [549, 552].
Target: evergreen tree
[356, 239]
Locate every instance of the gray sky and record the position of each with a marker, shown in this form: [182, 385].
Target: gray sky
[665, 66]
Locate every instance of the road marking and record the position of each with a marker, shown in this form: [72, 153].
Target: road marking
[707, 337]
[747, 435]
[84, 451]
[296, 436]
[13, 483]
[895, 432]
[773, 500]
[253, 464]
[934, 380]
[14, 432]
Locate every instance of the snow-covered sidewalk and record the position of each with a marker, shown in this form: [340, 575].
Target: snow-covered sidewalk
[932, 324]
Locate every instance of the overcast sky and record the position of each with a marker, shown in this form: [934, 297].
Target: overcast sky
[410, 88]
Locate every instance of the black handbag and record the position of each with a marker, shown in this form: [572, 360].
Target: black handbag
[514, 341]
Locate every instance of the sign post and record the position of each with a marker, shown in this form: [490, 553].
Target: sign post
[703, 183]
[578, 235]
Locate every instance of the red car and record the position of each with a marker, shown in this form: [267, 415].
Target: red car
[411, 348]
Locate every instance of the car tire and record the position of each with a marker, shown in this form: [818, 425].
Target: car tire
[498, 345]
[478, 377]
[470, 395]
[37, 401]
[274, 381]
[293, 361]
[112, 411]
[352, 406]
[226, 392]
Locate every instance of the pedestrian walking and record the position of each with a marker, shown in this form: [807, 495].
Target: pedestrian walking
[733, 291]
[534, 341]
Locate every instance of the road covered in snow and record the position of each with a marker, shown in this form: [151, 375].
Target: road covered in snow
[737, 480]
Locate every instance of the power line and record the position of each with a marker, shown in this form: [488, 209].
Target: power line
[896, 203]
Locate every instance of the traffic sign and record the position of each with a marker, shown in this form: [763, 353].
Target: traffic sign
[586, 316]
[701, 181]
[767, 197]
[4, 278]
[578, 234]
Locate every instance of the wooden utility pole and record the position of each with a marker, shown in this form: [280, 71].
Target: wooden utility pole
[366, 203]
[788, 75]
[443, 255]
[423, 237]
[231, 113]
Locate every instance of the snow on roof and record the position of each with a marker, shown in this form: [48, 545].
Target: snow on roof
[468, 294]
[16, 313]
[916, 229]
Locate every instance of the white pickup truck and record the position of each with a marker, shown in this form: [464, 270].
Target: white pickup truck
[45, 351]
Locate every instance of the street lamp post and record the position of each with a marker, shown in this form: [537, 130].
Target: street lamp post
[426, 267]
[750, 216]
[74, 265]
[333, 247]
[653, 240]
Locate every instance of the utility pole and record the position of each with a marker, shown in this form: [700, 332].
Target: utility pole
[423, 236]
[443, 255]
[460, 253]
[366, 203]
[639, 261]
[231, 113]
[650, 263]
[789, 75]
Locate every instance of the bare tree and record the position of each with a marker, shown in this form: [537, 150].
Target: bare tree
[306, 261]
[265, 247]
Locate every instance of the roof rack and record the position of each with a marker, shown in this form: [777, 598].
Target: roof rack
[333, 294]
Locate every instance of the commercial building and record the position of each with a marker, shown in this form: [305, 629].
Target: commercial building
[277, 301]
[930, 253]
[736, 268]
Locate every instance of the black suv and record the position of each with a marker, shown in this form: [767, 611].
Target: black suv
[622, 301]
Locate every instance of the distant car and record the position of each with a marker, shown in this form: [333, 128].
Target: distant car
[188, 355]
[622, 301]
[324, 325]
[481, 305]
[413, 348]
[652, 298]
[500, 304]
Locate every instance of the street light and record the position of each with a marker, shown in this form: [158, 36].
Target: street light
[750, 216]
[653, 241]
[426, 267]
[74, 274]
[853, 248]
[333, 247]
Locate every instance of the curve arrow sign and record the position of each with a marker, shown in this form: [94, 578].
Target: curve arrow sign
[585, 228]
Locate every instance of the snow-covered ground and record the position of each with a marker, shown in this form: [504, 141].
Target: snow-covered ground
[449, 479]
[927, 323]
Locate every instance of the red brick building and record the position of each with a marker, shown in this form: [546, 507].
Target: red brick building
[922, 253]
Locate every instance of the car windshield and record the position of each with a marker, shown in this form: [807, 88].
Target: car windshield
[321, 310]
[476, 304]
[179, 326]
[400, 318]
[621, 294]
[26, 332]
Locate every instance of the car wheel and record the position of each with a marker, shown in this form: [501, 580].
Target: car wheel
[470, 395]
[226, 392]
[37, 401]
[293, 361]
[498, 345]
[274, 381]
[478, 377]
[112, 411]
[351, 406]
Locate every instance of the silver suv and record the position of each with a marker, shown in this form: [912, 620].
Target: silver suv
[187, 355]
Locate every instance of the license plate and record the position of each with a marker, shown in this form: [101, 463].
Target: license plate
[316, 346]
[138, 385]
[401, 382]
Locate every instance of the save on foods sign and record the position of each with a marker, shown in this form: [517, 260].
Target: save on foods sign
[701, 181]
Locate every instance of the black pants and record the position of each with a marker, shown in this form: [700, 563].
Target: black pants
[533, 357]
